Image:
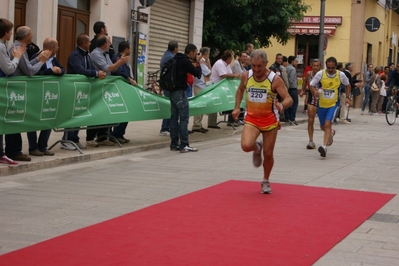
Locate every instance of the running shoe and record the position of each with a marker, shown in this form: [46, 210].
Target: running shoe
[188, 149]
[311, 145]
[257, 155]
[6, 160]
[265, 187]
[323, 151]
[331, 140]
[164, 133]
[67, 146]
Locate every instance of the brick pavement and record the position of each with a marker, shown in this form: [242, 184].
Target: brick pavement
[41, 204]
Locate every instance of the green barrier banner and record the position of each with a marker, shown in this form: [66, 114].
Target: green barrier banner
[47, 102]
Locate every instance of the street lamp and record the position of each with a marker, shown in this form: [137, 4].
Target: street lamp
[321, 31]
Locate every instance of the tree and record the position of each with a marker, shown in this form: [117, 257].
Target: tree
[230, 24]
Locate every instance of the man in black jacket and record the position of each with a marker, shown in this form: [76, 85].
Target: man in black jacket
[186, 63]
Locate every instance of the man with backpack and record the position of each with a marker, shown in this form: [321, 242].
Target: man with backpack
[179, 66]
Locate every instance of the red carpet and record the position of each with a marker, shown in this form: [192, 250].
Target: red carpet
[227, 224]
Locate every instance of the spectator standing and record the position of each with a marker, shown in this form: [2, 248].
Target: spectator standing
[102, 61]
[38, 146]
[200, 84]
[375, 94]
[367, 89]
[79, 62]
[239, 67]
[185, 63]
[383, 95]
[344, 110]
[99, 29]
[290, 113]
[7, 68]
[28, 68]
[124, 49]
[249, 48]
[221, 70]
[173, 48]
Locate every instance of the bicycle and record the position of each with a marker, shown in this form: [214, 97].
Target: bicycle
[152, 83]
[391, 110]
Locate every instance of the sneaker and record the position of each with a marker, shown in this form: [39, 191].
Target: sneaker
[323, 151]
[265, 187]
[331, 140]
[344, 121]
[80, 145]
[124, 139]
[48, 153]
[362, 112]
[67, 146]
[7, 160]
[176, 148]
[311, 145]
[257, 155]
[164, 133]
[202, 130]
[188, 149]
[91, 143]
[106, 142]
[21, 157]
[36, 153]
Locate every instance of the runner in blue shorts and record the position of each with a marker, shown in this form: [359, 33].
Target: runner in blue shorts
[330, 80]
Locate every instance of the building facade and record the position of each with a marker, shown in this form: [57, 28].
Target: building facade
[358, 31]
[149, 32]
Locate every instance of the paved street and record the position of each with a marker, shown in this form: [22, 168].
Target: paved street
[40, 204]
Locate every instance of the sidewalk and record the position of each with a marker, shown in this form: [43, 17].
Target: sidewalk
[143, 135]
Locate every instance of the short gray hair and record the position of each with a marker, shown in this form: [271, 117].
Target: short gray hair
[22, 32]
[258, 53]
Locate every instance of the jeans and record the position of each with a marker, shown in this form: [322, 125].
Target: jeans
[367, 94]
[290, 113]
[189, 91]
[1, 146]
[165, 122]
[13, 144]
[120, 130]
[41, 143]
[73, 136]
[179, 119]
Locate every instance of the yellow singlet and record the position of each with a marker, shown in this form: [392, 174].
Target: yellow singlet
[329, 97]
[260, 98]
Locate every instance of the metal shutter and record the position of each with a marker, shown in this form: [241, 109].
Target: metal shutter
[169, 20]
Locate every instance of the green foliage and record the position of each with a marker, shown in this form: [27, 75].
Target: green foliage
[230, 24]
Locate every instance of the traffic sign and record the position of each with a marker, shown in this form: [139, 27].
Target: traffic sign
[139, 16]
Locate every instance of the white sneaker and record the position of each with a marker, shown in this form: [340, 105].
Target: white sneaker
[164, 133]
[92, 143]
[81, 145]
[67, 146]
[188, 149]
[265, 187]
[257, 155]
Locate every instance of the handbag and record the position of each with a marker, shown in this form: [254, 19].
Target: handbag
[374, 86]
[356, 91]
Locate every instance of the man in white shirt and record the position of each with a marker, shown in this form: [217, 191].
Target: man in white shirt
[221, 70]
[200, 84]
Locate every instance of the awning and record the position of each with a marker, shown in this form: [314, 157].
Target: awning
[303, 29]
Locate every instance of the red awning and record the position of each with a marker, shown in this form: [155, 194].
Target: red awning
[303, 29]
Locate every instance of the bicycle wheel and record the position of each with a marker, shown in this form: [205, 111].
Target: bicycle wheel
[390, 112]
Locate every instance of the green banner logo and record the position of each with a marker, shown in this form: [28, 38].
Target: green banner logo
[82, 100]
[16, 102]
[50, 100]
[113, 99]
[148, 100]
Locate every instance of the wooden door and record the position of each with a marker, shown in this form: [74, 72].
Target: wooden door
[20, 12]
[71, 22]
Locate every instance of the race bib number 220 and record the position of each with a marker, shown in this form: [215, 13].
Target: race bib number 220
[257, 95]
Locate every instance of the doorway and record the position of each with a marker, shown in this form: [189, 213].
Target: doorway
[307, 47]
[71, 22]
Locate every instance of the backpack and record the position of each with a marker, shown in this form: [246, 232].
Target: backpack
[167, 80]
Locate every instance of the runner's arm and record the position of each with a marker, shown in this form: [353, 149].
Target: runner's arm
[279, 87]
